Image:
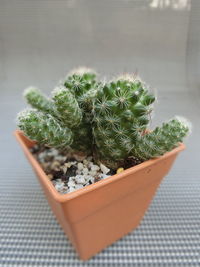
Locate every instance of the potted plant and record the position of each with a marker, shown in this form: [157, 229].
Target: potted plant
[96, 159]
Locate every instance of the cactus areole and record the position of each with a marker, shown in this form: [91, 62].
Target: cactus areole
[107, 120]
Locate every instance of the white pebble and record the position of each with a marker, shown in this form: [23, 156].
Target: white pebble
[104, 169]
[85, 162]
[85, 171]
[68, 164]
[80, 179]
[87, 178]
[90, 164]
[64, 169]
[71, 189]
[53, 152]
[80, 166]
[60, 158]
[95, 168]
[71, 183]
[59, 186]
[78, 186]
[92, 173]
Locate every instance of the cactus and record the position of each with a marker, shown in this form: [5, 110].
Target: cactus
[82, 83]
[38, 100]
[66, 107]
[70, 107]
[161, 139]
[44, 129]
[107, 120]
[121, 111]
[121, 114]
[80, 80]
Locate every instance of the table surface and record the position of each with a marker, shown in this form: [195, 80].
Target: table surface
[39, 42]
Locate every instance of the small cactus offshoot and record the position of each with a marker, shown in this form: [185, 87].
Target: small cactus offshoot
[44, 128]
[107, 120]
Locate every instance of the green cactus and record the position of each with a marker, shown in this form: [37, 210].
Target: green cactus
[121, 111]
[79, 81]
[39, 101]
[70, 106]
[44, 129]
[107, 120]
[161, 139]
[83, 85]
[67, 107]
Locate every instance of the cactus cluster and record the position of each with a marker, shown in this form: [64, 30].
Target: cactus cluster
[108, 120]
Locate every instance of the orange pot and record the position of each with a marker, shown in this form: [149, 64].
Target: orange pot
[99, 214]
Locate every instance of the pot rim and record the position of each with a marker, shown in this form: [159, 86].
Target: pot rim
[113, 178]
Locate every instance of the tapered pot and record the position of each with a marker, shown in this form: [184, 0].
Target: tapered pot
[99, 214]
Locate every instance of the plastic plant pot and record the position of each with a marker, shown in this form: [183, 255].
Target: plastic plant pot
[99, 214]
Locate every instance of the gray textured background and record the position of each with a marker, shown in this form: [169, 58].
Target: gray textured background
[39, 42]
